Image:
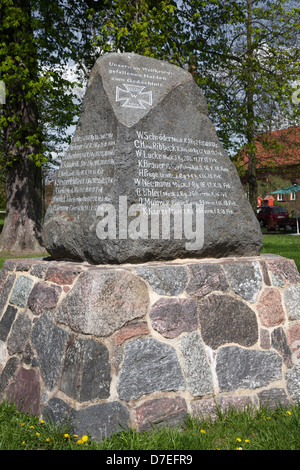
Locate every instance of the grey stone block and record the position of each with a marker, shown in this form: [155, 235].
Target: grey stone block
[292, 377]
[86, 371]
[21, 291]
[5, 290]
[58, 412]
[195, 364]
[279, 342]
[7, 321]
[50, 343]
[273, 398]
[245, 279]
[245, 368]
[19, 334]
[101, 421]
[292, 301]
[149, 366]
[165, 280]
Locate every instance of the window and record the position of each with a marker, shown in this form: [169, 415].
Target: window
[279, 197]
[279, 210]
[293, 196]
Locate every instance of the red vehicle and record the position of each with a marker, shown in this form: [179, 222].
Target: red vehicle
[273, 216]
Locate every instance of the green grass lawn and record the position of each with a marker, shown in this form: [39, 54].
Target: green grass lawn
[247, 430]
[10, 255]
[284, 245]
[275, 243]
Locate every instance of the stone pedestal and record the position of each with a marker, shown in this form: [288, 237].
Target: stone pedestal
[135, 345]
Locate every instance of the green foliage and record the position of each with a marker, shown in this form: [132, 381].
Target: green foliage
[247, 60]
[38, 41]
[145, 27]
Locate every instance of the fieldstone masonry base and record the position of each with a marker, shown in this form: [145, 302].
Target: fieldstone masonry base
[110, 347]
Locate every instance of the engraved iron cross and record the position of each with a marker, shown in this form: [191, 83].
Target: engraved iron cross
[134, 96]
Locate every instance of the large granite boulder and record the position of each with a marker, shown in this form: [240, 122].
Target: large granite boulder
[145, 177]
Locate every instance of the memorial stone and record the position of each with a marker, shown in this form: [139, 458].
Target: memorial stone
[145, 177]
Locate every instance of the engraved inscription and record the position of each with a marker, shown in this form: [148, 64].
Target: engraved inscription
[139, 76]
[180, 168]
[168, 169]
[85, 174]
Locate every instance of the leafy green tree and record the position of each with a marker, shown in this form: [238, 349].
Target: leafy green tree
[246, 58]
[146, 27]
[38, 40]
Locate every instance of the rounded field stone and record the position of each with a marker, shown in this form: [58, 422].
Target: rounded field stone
[25, 391]
[205, 278]
[160, 412]
[170, 317]
[269, 308]
[101, 302]
[43, 297]
[284, 270]
[224, 319]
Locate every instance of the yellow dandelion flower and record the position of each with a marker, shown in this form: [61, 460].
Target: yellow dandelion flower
[247, 440]
[42, 421]
[238, 439]
[79, 441]
[84, 438]
[22, 424]
[31, 427]
[37, 433]
[75, 435]
[23, 443]
[202, 430]
[239, 448]
[47, 440]
[66, 435]
[268, 417]
[289, 413]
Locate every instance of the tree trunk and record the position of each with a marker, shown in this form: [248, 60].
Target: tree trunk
[22, 226]
[250, 131]
[252, 180]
